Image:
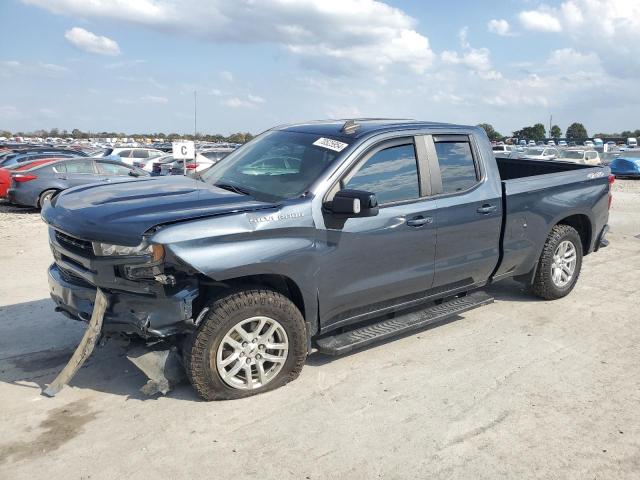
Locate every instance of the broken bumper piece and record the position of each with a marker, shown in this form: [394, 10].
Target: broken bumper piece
[144, 315]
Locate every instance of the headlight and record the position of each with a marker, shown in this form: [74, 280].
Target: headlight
[109, 249]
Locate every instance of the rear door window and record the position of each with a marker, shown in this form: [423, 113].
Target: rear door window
[140, 154]
[80, 167]
[112, 169]
[124, 154]
[457, 166]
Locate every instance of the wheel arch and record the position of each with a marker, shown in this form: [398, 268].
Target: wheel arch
[583, 225]
[55, 189]
[287, 286]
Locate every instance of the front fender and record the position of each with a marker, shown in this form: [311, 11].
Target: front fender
[279, 241]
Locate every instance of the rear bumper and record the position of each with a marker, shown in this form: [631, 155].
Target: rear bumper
[20, 198]
[143, 315]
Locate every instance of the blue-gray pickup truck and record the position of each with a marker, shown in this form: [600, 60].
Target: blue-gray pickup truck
[324, 235]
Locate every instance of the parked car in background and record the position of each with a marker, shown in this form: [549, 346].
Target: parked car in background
[627, 165]
[632, 142]
[588, 157]
[129, 155]
[36, 154]
[532, 143]
[598, 142]
[503, 149]
[562, 143]
[34, 186]
[551, 143]
[205, 159]
[5, 172]
[589, 143]
[540, 153]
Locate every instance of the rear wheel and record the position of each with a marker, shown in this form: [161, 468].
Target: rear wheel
[46, 196]
[560, 263]
[249, 342]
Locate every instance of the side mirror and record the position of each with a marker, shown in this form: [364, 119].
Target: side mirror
[355, 203]
[133, 173]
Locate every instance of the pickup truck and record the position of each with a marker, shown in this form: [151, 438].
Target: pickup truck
[327, 235]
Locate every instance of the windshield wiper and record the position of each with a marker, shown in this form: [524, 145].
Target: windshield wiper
[233, 188]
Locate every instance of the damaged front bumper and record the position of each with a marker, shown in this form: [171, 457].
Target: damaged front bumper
[148, 316]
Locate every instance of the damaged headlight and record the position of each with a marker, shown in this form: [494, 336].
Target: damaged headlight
[109, 249]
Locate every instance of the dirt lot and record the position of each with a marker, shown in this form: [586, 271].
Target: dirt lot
[518, 389]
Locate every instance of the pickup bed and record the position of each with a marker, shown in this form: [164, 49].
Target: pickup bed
[328, 235]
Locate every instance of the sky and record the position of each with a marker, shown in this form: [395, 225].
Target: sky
[133, 65]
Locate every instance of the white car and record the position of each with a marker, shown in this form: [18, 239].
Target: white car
[551, 143]
[588, 157]
[540, 153]
[562, 143]
[532, 143]
[129, 155]
[503, 148]
[589, 143]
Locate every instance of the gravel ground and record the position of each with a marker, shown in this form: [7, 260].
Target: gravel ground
[519, 389]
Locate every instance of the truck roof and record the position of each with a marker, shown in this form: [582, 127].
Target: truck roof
[361, 127]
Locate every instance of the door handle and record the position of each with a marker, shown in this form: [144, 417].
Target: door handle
[486, 208]
[419, 221]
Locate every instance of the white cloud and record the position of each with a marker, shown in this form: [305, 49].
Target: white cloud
[255, 99]
[226, 75]
[539, 21]
[608, 28]
[477, 60]
[154, 99]
[499, 27]
[330, 35]
[143, 99]
[9, 68]
[236, 102]
[248, 102]
[8, 112]
[90, 42]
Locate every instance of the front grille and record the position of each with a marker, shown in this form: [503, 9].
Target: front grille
[70, 277]
[74, 243]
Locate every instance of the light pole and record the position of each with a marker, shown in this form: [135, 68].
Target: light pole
[195, 114]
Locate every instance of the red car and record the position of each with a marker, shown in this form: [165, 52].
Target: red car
[5, 173]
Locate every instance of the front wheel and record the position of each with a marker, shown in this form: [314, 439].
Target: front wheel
[249, 342]
[560, 263]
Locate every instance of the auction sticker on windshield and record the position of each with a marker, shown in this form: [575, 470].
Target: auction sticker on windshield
[334, 145]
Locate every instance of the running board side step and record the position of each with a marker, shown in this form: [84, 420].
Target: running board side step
[346, 342]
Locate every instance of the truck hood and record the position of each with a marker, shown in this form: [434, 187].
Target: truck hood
[122, 212]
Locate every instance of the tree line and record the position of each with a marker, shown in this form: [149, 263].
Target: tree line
[537, 132]
[238, 137]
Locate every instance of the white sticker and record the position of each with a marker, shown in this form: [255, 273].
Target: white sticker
[334, 145]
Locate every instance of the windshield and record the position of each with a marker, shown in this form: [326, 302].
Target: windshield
[572, 154]
[275, 166]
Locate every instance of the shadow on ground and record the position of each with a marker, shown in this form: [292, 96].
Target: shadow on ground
[6, 207]
[36, 343]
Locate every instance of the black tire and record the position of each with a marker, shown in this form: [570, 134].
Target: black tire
[223, 314]
[46, 195]
[543, 284]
